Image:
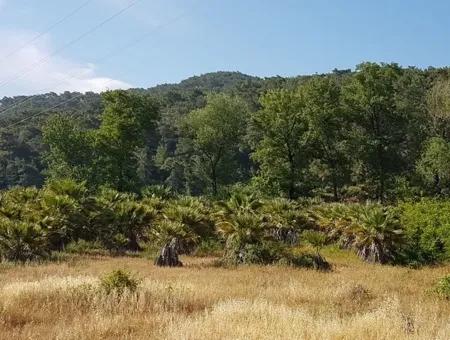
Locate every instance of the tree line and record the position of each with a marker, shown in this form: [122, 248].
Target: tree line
[380, 132]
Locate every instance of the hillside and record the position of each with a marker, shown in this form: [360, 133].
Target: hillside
[21, 146]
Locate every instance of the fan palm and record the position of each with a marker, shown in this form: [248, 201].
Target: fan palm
[284, 219]
[377, 234]
[21, 241]
[170, 235]
[238, 203]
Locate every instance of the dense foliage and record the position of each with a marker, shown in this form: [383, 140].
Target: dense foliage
[380, 132]
[122, 170]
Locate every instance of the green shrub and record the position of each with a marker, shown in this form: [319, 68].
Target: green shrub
[21, 241]
[118, 282]
[372, 230]
[427, 230]
[316, 239]
[209, 247]
[442, 287]
[260, 253]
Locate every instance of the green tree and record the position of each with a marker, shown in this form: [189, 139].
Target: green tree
[278, 136]
[378, 124]
[328, 126]
[70, 149]
[124, 125]
[438, 100]
[434, 164]
[215, 134]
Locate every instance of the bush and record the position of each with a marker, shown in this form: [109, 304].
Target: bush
[260, 253]
[21, 241]
[118, 282]
[316, 239]
[372, 230]
[427, 230]
[209, 247]
[442, 288]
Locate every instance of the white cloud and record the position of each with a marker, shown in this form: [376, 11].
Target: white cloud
[56, 74]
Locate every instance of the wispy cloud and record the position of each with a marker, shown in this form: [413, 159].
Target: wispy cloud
[57, 75]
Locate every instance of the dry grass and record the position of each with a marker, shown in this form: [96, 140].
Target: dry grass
[199, 301]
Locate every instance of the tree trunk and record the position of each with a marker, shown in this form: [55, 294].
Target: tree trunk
[437, 184]
[133, 243]
[169, 255]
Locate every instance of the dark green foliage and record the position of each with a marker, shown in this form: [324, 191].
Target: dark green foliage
[21, 241]
[381, 133]
[372, 230]
[278, 137]
[107, 155]
[212, 136]
[318, 135]
[378, 124]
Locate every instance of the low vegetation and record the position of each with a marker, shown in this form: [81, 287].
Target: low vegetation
[200, 301]
[64, 216]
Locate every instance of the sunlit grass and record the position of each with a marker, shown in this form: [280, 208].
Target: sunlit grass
[199, 301]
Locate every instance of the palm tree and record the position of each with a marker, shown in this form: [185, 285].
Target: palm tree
[284, 219]
[317, 240]
[21, 241]
[181, 224]
[121, 220]
[169, 234]
[377, 234]
[371, 229]
[239, 230]
[238, 203]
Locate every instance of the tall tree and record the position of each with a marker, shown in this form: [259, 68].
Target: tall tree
[278, 136]
[70, 149]
[123, 130]
[328, 125]
[379, 125]
[214, 134]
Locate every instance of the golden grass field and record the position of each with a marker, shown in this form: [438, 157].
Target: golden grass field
[200, 301]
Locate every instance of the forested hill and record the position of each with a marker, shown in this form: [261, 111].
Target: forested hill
[381, 130]
[14, 107]
[21, 146]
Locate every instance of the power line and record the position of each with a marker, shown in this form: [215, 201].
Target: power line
[107, 56]
[46, 110]
[70, 43]
[47, 30]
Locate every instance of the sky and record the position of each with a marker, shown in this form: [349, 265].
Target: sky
[94, 45]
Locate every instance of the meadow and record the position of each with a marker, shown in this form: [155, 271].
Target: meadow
[355, 300]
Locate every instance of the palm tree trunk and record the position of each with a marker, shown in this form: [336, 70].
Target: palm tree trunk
[169, 255]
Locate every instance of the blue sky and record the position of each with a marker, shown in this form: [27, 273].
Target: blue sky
[191, 37]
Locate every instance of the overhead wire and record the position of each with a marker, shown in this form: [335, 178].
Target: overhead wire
[46, 31]
[65, 46]
[109, 55]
